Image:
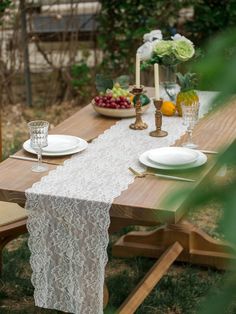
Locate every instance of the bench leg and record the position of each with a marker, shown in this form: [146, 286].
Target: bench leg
[198, 247]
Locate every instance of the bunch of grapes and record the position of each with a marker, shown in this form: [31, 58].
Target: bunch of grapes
[117, 91]
[108, 101]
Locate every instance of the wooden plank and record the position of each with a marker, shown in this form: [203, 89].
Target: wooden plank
[143, 200]
[150, 280]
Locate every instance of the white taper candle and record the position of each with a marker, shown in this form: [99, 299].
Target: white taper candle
[156, 81]
[137, 71]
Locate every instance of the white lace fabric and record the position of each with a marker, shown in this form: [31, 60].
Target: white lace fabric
[69, 213]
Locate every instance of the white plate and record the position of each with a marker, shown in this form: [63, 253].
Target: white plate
[81, 145]
[61, 143]
[173, 156]
[202, 159]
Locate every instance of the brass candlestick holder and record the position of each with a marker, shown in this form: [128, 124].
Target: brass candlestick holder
[158, 120]
[138, 124]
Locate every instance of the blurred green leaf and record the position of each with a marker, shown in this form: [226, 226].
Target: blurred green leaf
[123, 80]
[220, 304]
[216, 68]
[103, 83]
[217, 71]
[144, 100]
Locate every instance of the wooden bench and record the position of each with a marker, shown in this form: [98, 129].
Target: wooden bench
[12, 217]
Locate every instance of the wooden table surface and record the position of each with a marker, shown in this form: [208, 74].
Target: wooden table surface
[143, 201]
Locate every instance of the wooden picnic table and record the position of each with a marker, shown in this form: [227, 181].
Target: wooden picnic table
[143, 203]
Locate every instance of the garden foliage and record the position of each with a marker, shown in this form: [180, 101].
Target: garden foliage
[4, 4]
[210, 18]
[123, 24]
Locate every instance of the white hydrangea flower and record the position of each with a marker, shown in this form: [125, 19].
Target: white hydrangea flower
[147, 37]
[177, 37]
[156, 34]
[145, 51]
[152, 36]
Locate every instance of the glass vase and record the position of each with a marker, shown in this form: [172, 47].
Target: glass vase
[168, 81]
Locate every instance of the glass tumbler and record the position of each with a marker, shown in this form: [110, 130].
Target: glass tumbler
[38, 139]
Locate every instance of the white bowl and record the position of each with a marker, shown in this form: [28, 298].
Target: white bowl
[117, 113]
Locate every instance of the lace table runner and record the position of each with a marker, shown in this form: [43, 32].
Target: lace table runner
[69, 214]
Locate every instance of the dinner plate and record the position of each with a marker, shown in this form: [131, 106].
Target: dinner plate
[201, 160]
[81, 145]
[173, 156]
[61, 143]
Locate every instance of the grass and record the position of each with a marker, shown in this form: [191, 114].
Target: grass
[181, 290]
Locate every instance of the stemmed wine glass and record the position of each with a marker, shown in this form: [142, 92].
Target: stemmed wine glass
[190, 117]
[38, 139]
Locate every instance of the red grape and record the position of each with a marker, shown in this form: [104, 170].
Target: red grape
[108, 101]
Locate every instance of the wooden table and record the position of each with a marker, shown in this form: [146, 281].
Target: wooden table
[143, 203]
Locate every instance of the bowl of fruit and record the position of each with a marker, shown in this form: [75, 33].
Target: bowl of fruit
[115, 99]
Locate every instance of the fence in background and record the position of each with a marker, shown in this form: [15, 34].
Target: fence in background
[43, 46]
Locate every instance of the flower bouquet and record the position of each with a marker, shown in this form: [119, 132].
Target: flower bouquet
[168, 53]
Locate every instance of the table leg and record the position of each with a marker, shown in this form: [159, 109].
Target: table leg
[198, 247]
[105, 295]
[149, 281]
[119, 223]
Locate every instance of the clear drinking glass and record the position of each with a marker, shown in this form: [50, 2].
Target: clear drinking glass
[38, 139]
[190, 117]
[169, 81]
[170, 89]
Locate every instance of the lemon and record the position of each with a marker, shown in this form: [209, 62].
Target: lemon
[168, 108]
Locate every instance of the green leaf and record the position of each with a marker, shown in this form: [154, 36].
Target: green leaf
[123, 80]
[103, 83]
[180, 78]
[187, 81]
[144, 100]
[220, 303]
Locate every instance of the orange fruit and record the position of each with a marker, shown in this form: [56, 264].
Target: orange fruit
[168, 108]
[131, 97]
